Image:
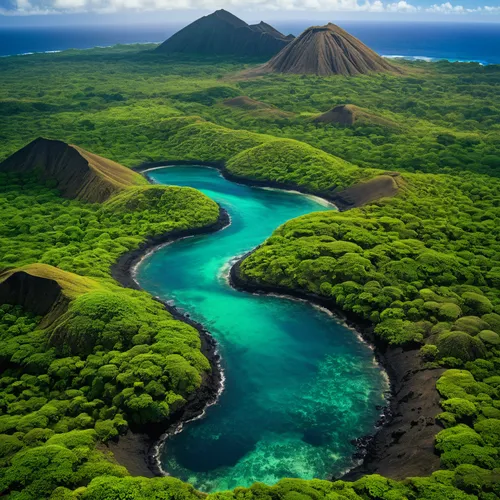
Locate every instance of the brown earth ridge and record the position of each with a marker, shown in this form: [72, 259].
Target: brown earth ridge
[222, 33]
[349, 115]
[79, 174]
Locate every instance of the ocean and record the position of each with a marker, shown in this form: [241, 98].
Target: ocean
[479, 42]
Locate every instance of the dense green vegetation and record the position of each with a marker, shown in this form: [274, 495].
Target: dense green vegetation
[422, 267]
[113, 101]
[261, 157]
[114, 358]
[38, 226]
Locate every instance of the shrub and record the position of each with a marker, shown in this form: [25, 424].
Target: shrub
[470, 324]
[449, 311]
[460, 345]
[456, 437]
[461, 408]
[489, 337]
[489, 429]
[477, 304]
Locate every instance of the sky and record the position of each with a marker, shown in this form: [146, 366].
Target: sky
[60, 12]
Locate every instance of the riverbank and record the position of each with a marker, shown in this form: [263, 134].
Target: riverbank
[139, 449]
[351, 197]
[403, 444]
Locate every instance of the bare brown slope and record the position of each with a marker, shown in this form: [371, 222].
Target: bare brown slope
[222, 33]
[79, 174]
[349, 114]
[327, 50]
[383, 186]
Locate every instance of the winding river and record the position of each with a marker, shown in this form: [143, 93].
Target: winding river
[299, 384]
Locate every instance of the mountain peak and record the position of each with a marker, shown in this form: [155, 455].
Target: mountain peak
[228, 17]
[222, 33]
[327, 50]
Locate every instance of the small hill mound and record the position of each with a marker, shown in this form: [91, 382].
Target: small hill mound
[78, 173]
[222, 33]
[349, 115]
[43, 290]
[244, 102]
[255, 107]
[327, 50]
[382, 186]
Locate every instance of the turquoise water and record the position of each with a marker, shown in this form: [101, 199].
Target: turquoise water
[299, 385]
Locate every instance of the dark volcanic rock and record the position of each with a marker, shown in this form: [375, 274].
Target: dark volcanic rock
[33, 293]
[404, 447]
[222, 33]
[327, 50]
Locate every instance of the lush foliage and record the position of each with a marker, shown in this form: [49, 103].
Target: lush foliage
[38, 226]
[423, 267]
[114, 358]
[113, 101]
[261, 157]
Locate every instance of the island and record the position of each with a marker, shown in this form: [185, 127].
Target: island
[94, 370]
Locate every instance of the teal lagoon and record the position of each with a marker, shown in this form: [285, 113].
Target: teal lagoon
[299, 384]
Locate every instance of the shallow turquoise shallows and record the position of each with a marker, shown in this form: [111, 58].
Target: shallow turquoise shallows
[299, 385]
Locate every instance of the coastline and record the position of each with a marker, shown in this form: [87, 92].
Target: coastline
[406, 57]
[139, 449]
[333, 198]
[403, 442]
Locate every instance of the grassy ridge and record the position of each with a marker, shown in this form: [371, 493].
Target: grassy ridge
[261, 157]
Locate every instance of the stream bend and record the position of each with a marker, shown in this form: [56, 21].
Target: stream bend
[300, 386]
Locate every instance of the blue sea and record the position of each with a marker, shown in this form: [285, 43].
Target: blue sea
[479, 42]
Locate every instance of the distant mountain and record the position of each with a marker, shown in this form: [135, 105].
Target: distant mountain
[327, 50]
[79, 174]
[222, 33]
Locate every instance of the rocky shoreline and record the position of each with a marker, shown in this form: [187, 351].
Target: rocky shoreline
[403, 444]
[139, 451]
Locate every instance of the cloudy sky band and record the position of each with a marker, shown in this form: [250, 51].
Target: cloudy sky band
[32, 7]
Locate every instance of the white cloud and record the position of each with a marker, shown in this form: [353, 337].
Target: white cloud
[402, 6]
[448, 8]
